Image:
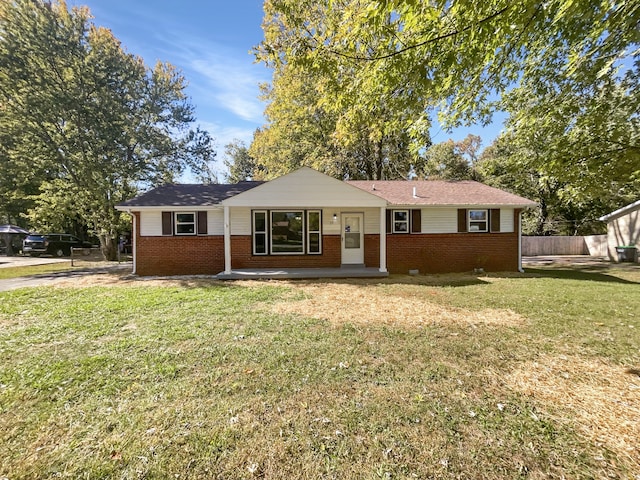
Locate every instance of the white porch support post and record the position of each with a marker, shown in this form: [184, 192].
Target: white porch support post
[134, 246]
[227, 241]
[383, 239]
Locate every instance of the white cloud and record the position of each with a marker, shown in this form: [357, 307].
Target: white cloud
[221, 77]
[223, 135]
[232, 83]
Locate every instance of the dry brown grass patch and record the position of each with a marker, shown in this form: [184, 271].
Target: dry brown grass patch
[126, 280]
[341, 303]
[602, 400]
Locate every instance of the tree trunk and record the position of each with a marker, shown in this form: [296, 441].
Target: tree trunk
[109, 247]
[7, 241]
[543, 214]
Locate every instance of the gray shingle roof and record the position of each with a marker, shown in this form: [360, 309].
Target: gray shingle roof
[188, 195]
[396, 192]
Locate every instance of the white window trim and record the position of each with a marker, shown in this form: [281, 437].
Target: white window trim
[265, 232]
[393, 221]
[309, 232]
[486, 220]
[304, 227]
[176, 223]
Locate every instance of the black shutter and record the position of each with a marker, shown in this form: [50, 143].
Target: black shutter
[416, 221]
[389, 221]
[202, 223]
[495, 219]
[167, 223]
[462, 220]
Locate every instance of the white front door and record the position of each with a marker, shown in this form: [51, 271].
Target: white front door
[352, 238]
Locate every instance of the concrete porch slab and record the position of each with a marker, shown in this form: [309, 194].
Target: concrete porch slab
[288, 273]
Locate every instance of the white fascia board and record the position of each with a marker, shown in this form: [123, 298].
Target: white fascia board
[461, 205]
[620, 211]
[168, 208]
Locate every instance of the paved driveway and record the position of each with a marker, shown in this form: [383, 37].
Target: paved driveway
[565, 260]
[6, 262]
[54, 277]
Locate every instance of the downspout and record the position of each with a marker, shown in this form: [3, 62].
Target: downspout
[520, 269]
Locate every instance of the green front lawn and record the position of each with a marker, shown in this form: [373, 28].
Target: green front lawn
[525, 376]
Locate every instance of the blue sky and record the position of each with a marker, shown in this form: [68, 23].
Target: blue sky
[209, 41]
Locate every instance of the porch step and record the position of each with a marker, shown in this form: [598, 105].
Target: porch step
[349, 271]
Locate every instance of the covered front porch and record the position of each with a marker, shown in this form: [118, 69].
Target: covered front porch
[349, 271]
[303, 225]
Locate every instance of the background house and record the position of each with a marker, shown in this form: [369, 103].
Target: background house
[623, 228]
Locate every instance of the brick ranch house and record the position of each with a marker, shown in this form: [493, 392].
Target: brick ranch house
[306, 219]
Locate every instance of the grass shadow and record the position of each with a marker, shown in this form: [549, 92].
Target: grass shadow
[591, 274]
[440, 280]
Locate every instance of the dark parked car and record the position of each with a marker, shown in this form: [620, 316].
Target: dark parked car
[56, 244]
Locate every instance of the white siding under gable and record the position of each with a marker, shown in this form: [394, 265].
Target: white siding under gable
[439, 220]
[305, 188]
[151, 223]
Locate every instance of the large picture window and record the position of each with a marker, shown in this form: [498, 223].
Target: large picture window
[287, 232]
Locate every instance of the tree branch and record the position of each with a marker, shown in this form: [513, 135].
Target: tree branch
[417, 45]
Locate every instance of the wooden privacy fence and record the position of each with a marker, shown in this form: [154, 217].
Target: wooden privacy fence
[594, 245]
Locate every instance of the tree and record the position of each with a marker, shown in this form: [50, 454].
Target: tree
[241, 165]
[586, 133]
[565, 206]
[445, 163]
[304, 129]
[457, 57]
[86, 119]
[453, 160]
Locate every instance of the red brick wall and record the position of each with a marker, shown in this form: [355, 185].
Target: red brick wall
[181, 255]
[455, 252]
[372, 251]
[428, 253]
[241, 256]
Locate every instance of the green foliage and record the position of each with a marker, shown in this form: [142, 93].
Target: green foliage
[306, 128]
[513, 164]
[586, 133]
[571, 67]
[241, 165]
[453, 160]
[87, 122]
